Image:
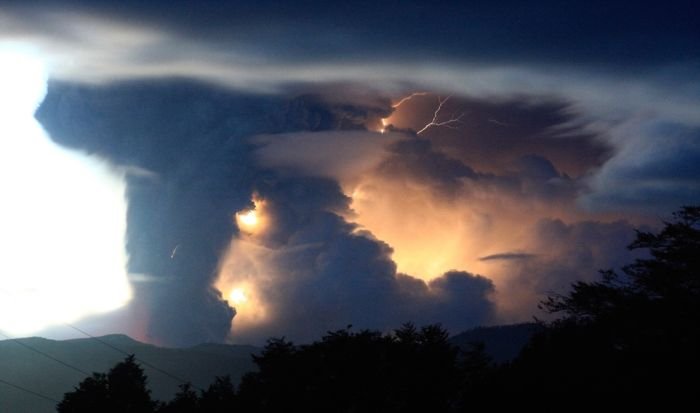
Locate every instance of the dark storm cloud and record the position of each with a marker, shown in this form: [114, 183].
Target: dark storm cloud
[190, 144]
[182, 135]
[198, 153]
[565, 253]
[419, 161]
[611, 61]
[497, 133]
[460, 300]
[334, 154]
[519, 197]
[657, 169]
[456, 299]
[559, 254]
[622, 34]
[414, 159]
[189, 141]
[507, 256]
[564, 105]
[526, 155]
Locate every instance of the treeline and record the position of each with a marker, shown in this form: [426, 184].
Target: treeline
[629, 339]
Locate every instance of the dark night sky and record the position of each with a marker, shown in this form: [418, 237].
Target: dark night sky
[578, 121]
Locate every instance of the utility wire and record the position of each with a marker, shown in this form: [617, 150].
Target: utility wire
[18, 387]
[36, 350]
[145, 363]
[48, 356]
[24, 389]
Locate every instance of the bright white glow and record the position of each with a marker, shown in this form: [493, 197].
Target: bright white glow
[237, 296]
[244, 279]
[253, 221]
[62, 215]
[249, 218]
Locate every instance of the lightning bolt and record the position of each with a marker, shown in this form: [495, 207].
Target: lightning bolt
[449, 123]
[401, 101]
[409, 97]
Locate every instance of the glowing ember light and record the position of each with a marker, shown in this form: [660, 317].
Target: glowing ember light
[238, 296]
[242, 289]
[252, 221]
[249, 218]
[242, 269]
[384, 123]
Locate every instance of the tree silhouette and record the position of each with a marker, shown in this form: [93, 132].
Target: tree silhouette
[424, 369]
[635, 332]
[632, 336]
[653, 306]
[365, 371]
[220, 397]
[122, 390]
[91, 395]
[185, 401]
[668, 281]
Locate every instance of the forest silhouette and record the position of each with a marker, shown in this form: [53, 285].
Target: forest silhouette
[629, 339]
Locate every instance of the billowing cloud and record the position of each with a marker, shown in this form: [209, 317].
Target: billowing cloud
[494, 134]
[310, 271]
[438, 213]
[179, 216]
[330, 154]
[356, 227]
[181, 210]
[655, 169]
[451, 49]
[572, 128]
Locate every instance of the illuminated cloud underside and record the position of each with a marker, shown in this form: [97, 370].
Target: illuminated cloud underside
[63, 215]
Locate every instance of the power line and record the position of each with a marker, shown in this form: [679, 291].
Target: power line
[34, 349]
[145, 363]
[27, 346]
[18, 387]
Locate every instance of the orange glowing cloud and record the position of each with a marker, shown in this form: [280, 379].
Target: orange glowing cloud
[252, 220]
[431, 233]
[417, 212]
[240, 275]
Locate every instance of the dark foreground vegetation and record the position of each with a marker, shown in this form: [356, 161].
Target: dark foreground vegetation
[630, 339]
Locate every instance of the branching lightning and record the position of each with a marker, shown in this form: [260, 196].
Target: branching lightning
[401, 101]
[449, 123]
